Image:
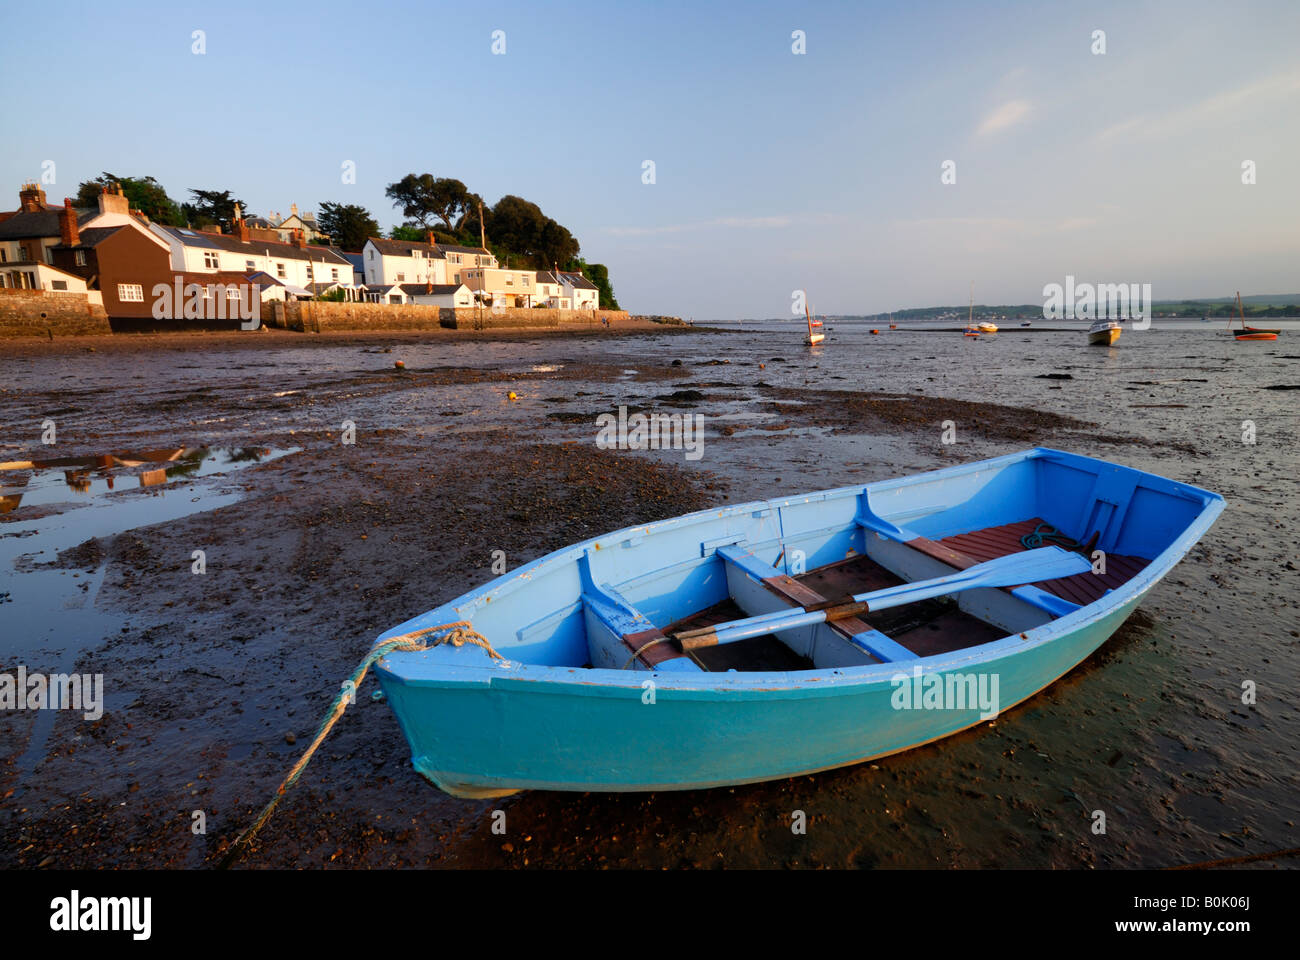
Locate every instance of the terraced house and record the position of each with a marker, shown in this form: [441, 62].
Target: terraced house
[30, 235]
[410, 261]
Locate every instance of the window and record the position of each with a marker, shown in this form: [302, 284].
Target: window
[510, 279]
[210, 259]
[372, 254]
[279, 271]
[334, 274]
[79, 258]
[130, 293]
[417, 254]
[401, 278]
[453, 257]
[525, 276]
[456, 278]
[250, 265]
[232, 292]
[22, 251]
[4, 255]
[58, 284]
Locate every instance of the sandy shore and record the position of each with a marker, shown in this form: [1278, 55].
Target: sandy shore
[221, 679]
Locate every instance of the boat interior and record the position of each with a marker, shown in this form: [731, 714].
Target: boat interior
[619, 602]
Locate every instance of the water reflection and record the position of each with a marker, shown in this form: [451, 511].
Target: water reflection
[63, 479]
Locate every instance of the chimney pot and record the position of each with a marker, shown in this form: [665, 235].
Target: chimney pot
[68, 231]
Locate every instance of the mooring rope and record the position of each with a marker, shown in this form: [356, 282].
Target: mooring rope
[1046, 533]
[457, 634]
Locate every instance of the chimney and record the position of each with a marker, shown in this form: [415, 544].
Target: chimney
[299, 240]
[432, 240]
[68, 224]
[241, 229]
[112, 201]
[31, 198]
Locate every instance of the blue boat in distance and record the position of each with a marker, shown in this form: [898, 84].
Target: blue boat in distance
[786, 636]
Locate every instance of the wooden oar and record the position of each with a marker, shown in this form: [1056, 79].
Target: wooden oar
[1031, 566]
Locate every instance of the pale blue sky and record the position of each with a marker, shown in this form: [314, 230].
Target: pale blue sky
[774, 171]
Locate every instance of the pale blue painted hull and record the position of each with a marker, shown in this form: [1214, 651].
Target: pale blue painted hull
[541, 720]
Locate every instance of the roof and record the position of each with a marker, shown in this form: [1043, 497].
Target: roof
[423, 289]
[357, 260]
[577, 281]
[254, 248]
[455, 249]
[545, 276]
[403, 248]
[92, 237]
[39, 223]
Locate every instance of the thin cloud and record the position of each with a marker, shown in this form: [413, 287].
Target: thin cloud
[1007, 115]
[1280, 86]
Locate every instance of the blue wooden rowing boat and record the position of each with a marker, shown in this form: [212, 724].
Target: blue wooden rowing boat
[787, 636]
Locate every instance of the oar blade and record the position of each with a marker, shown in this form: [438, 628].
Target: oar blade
[1031, 566]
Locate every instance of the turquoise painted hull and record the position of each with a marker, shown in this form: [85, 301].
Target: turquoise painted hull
[541, 719]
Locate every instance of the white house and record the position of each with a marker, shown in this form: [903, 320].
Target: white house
[580, 291]
[414, 261]
[403, 261]
[294, 264]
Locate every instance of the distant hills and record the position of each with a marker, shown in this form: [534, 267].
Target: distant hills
[1256, 306]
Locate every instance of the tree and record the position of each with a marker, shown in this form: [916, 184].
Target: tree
[144, 193]
[519, 226]
[409, 232]
[426, 199]
[348, 225]
[211, 206]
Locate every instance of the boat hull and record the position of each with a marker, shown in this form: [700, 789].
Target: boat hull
[1260, 335]
[569, 706]
[1104, 338]
[593, 737]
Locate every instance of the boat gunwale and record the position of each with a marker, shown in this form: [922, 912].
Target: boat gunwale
[832, 680]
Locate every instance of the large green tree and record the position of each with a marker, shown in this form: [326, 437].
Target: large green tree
[519, 227]
[427, 200]
[208, 207]
[347, 224]
[145, 194]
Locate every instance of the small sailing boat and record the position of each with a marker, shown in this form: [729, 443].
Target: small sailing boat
[815, 335]
[1104, 332]
[971, 329]
[1252, 333]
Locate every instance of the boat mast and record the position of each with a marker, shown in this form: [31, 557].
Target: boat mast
[970, 317]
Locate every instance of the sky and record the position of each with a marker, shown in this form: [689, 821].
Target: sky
[774, 170]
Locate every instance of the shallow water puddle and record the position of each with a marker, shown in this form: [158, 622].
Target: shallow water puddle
[48, 610]
[75, 479]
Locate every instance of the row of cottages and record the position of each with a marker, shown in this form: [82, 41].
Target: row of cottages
[410, 261]
[35, 237]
